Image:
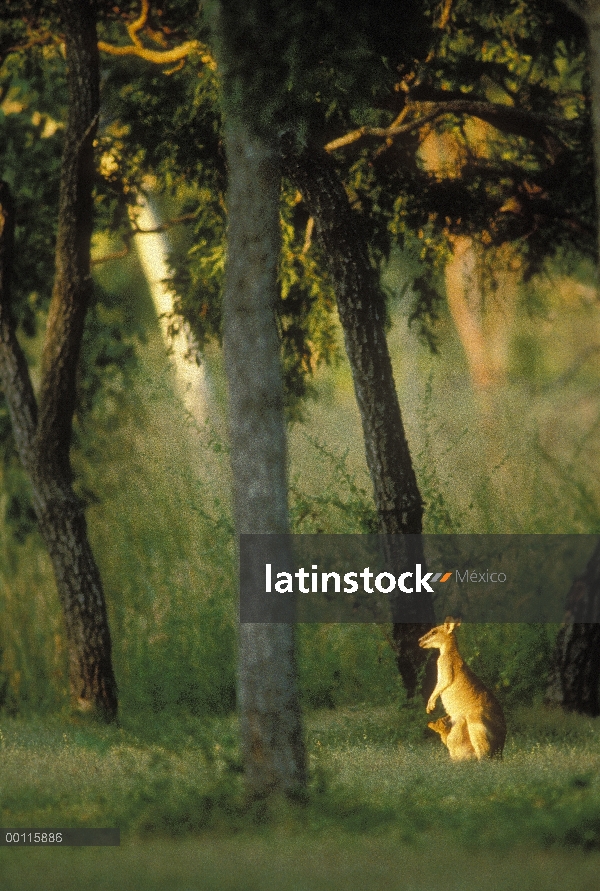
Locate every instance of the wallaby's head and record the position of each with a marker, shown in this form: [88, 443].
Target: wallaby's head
[438, 636]
[443, 726]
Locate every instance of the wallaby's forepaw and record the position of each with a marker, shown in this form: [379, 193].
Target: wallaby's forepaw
[431, 705]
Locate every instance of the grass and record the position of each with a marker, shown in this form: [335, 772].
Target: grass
[384, 804]
[372, 769]
[295, 863]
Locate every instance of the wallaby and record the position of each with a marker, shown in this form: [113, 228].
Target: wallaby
[464, 696]
[455, 737]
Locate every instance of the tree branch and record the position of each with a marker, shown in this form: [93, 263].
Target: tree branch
[445, 14]
[310, 226]
[114, 255]
[139, 23]
[530, 124]
[156, 57]
[163, 227]
[161, 57]
[381, 132]
[519, 121]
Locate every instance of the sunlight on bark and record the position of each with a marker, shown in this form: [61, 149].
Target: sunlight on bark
[153, 251]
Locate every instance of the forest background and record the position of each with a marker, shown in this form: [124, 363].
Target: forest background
[480, 223]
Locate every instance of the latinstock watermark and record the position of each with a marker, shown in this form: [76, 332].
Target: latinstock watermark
[408, 578]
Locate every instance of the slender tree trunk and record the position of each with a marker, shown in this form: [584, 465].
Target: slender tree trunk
[361, 308]
[575, 669]
[589, 13]
[463, 293]
[271, 728]
[481, 321]
[43, 429]
[592, 22]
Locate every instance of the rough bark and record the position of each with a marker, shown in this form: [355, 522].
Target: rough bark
[271, 729]
[43, 429]
[575, 668]
[361, 309]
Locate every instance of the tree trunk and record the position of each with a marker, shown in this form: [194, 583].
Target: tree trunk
[575, 669]
[463, 293]
[271, 728]
[592, 21]
[589, 13]
[42, 429]
[483, 321]
[361, 308]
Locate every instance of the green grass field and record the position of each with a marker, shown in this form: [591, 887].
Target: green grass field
[247, 863]
[385, 808]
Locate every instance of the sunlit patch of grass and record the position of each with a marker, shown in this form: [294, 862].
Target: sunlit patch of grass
[545, 789]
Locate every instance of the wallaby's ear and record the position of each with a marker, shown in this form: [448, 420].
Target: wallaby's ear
[450, 624]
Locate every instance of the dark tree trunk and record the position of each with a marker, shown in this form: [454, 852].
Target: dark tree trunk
[592, 21]
[589, 13]
[361, 308]
[43, 429]
[271, 728]
[575, 669]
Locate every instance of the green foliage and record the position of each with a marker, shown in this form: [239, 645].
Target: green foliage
[513, 660]
[108, 361]
[497, 181]
[341, 506]
[306, 308]
[198, 264]
[187, 163]
[313, 72]
[438, 515]
[313, 69]
[31, 123]
[33, 670]
[19, 515]
[344, 664]
[163, 537]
